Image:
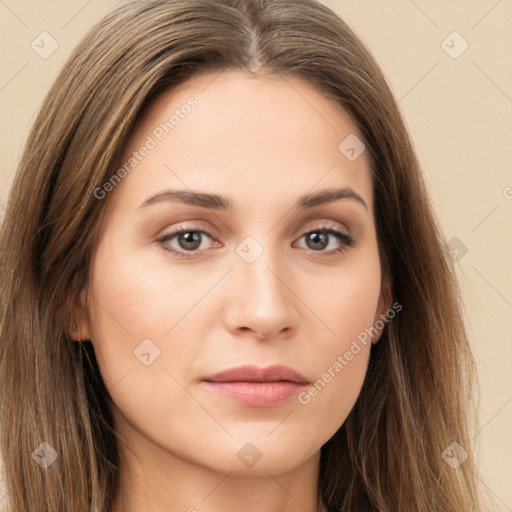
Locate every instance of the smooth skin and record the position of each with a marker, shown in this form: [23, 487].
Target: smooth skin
[263, 142]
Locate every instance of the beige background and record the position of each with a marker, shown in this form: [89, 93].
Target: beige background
[459, 111]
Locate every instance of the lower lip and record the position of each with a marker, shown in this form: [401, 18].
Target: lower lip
[257, 394]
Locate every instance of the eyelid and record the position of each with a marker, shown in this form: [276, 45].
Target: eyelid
[185, 228]
[343, 235]
[324, 225]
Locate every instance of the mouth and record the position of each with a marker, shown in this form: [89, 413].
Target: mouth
[257, 387]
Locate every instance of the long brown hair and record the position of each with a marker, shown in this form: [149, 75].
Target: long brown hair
[387, 456]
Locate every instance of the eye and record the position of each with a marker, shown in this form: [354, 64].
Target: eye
[188, 240]
[320, 238]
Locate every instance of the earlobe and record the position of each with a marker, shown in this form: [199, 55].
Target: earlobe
[80, 328]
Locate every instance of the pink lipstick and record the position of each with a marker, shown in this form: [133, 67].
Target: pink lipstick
[257, 387]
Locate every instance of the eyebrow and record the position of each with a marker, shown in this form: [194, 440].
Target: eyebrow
[224, 203]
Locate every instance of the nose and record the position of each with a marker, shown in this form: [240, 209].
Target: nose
[261, 302]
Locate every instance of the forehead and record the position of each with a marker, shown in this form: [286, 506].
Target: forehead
[245, 136]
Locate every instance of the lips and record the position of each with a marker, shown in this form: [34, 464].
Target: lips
[273, 373]
[257, 387]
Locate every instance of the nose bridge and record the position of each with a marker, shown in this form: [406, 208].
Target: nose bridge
[261, 299]
[259, 265]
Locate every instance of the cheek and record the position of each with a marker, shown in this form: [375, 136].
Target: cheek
[328, 401]
[348, 298]
[341, 368]
[348, 304]
[132, 307]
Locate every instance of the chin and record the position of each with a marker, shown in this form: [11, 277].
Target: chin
[258, 456]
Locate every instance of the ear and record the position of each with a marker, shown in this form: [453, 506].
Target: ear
[80, 328]
[383, 306]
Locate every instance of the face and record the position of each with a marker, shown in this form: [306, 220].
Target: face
[264, 268]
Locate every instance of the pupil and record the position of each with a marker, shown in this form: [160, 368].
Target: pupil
[318, 238]
[190, 240]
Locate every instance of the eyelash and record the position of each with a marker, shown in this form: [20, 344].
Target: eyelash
[346, 240]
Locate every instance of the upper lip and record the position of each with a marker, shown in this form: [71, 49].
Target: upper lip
[272, 373]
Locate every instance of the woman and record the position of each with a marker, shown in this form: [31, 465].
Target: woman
[177, 333]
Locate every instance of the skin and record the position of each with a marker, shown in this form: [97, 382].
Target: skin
[263, 142]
